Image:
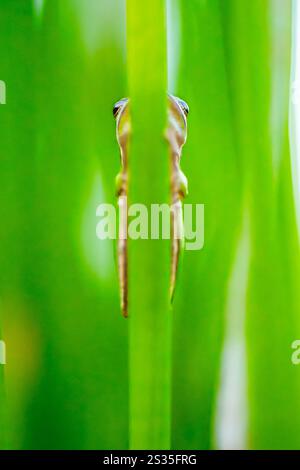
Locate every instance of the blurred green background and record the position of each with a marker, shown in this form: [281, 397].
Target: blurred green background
[236, 310]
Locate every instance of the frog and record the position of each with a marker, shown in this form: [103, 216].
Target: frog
[176, 136]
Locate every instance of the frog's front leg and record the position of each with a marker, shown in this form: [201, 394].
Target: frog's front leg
[181, 184]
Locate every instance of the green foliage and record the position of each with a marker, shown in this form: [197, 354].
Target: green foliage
[273, 293]
[66, 314]
[16, 172]
[79, 376]
[3, 421]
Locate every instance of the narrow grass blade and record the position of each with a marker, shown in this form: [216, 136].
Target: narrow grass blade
[77, 390]
[273, 292]
[210, 163]
[17, 49]
[149, 260]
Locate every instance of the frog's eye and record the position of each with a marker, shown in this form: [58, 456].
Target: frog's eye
[184, 106]
[118, 106]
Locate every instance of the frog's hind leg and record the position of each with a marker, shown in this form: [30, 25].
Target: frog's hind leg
[174, 266]
[176, 243]
[123, 255]
[123, 275]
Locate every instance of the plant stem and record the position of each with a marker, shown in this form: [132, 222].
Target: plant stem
[149, 260]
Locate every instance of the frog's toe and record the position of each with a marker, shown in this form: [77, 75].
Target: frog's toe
[120, 184]
[183, 185]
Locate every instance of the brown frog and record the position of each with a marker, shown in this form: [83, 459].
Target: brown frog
[176, 135]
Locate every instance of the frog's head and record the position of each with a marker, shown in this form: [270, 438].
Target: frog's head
[176, 131]
[123, 123]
